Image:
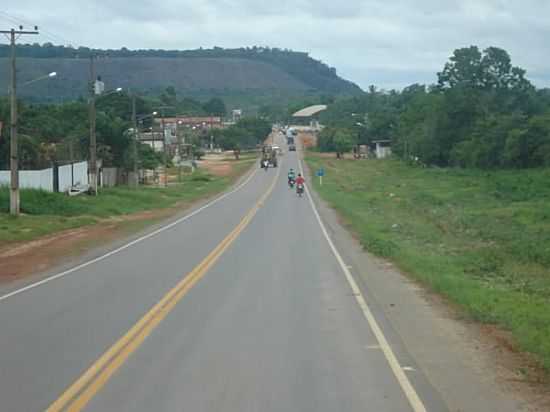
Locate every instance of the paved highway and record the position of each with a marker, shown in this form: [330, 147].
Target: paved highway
[244, 306]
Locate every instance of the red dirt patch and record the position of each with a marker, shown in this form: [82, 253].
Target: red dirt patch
[308, 139]
[218, 167]
[38, 255]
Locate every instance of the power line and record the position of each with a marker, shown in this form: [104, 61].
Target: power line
[44, 33]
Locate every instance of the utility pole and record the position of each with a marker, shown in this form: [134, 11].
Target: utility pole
[164, 149]
[14, 152]
[164, 142]
[134, 144]
[92, 169]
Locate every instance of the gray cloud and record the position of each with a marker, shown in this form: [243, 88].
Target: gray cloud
[382, 42]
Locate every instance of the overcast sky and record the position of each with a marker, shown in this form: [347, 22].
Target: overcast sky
[389, 43]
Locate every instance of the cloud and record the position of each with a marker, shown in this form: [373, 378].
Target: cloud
[387, 43]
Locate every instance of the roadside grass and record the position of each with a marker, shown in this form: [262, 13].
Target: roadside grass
[46, 213]
[482, 239]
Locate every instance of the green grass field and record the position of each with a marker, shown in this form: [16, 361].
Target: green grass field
[45, 213]
[482, 239]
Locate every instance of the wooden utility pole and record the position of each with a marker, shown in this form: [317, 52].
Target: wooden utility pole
[14, 152]
[134, 141]
[164, 146]
[92, 168]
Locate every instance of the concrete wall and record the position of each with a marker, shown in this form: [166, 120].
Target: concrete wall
[77, 177]
[109, 176]
[30, 179]
[383, 152]
[43, 179]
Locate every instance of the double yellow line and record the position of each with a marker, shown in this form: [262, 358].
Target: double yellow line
[77, 396]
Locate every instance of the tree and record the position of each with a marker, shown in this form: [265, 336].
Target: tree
[343, 142]
[246, 133]
[169, 97]
[338, 140]
[215, 107]
[491, 69]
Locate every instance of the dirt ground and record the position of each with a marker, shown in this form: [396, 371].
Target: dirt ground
[22, 259]
[308, 139]
[217, 167]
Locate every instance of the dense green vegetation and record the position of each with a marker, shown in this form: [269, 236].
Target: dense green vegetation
[247, 133]
[480, 238]
[59, 132]
[483, 113]
[300, 65]
[245, 78]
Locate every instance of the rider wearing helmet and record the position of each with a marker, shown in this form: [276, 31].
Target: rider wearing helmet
[291, 175]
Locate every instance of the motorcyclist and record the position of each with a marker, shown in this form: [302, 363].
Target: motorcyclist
[291, 176]
[300, 180]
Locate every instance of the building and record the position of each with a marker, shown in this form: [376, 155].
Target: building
[236, 115]
[153, 140]
[382, 148]
[310, 115]
[199, 122]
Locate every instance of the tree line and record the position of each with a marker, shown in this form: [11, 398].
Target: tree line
[315, 73]
[483, 113]
[50, 133]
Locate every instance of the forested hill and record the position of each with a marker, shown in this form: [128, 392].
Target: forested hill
[241, 70]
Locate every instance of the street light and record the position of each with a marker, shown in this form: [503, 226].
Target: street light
[47, 76]
[108, 93]
[92, 169]
[15, 206]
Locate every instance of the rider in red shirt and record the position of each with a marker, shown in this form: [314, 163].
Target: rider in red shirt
[300, 180]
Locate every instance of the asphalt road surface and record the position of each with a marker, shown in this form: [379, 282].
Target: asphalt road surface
[254, 313]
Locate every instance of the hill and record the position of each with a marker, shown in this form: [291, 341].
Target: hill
[203, 72]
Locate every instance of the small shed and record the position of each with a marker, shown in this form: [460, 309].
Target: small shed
[382, 148]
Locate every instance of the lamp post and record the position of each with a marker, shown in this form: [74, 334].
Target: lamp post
[15, 202]
[92, 169]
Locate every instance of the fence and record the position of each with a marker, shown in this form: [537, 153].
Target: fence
[30, 179]
[75, 174]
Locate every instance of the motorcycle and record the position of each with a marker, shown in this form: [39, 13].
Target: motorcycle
[300, 189]
[265, 165]
[291, 183]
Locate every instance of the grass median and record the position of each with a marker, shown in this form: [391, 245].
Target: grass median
[45, 213]
[482, 239]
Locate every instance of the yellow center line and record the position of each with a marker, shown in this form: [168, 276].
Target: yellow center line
[77, 396]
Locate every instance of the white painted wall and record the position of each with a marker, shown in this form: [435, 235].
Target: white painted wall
[43, 179]
[80, 176]
[30, 179]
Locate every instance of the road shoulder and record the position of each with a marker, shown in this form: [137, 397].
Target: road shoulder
[469, 368]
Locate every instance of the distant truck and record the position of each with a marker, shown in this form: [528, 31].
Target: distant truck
[269, 153]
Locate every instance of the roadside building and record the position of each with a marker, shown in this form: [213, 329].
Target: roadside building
[236, 115]
[309, 116]
[153, 140]
[382, 148]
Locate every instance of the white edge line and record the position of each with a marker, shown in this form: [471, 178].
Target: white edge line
[406, 386]
[127, 245]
